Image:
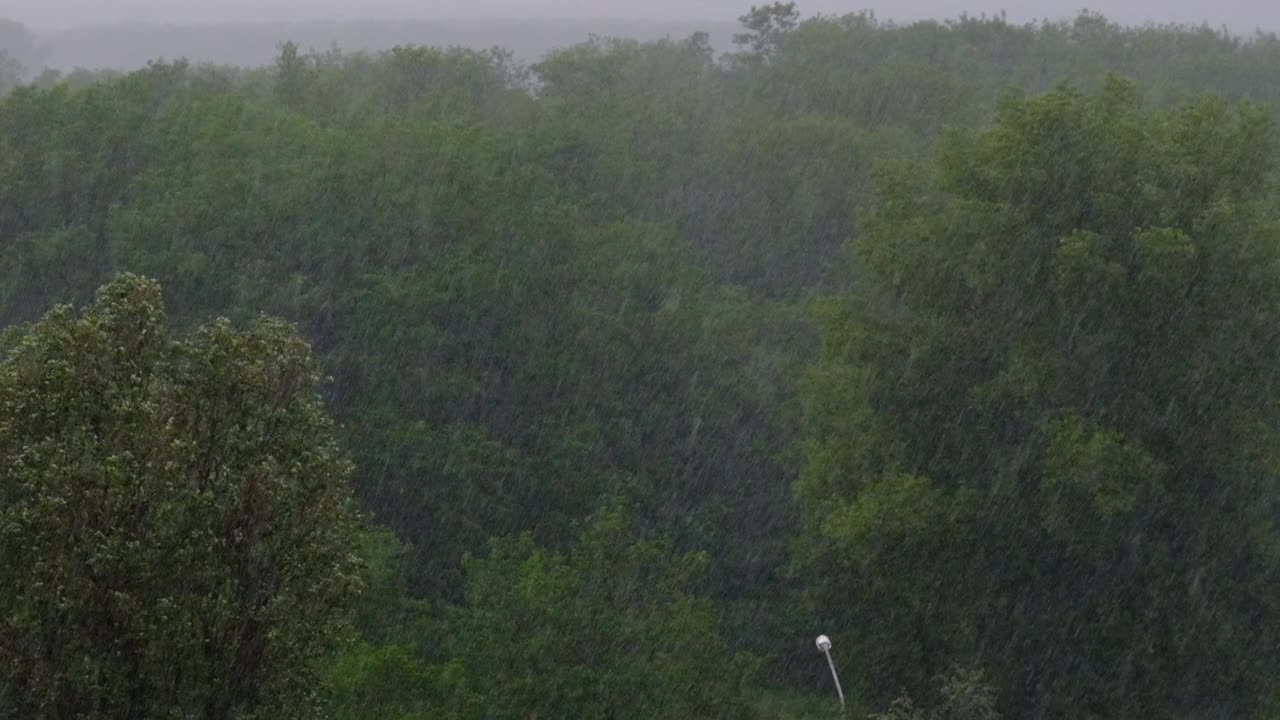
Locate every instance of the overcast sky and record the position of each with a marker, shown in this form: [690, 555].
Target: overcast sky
[1240, 15]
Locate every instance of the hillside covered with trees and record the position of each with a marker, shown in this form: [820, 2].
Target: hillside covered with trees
[428, 383]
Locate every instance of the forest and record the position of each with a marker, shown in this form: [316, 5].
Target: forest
[431, 383]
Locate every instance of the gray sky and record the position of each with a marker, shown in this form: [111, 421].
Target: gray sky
[1240, 15]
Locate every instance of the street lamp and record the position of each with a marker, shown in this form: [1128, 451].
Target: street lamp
[824, 646]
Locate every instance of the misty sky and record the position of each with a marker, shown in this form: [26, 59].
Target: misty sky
[1240, 15]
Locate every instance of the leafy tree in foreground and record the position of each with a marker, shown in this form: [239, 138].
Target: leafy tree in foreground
[176, 529]
[1043, 437]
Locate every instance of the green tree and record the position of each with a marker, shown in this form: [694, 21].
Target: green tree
[614, 629]
[963, 695]
[1042, 438]
[176, 526]
[293, 75]
[385, 674]
[764, 27]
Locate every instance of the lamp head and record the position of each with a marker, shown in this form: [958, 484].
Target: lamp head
[824, 643]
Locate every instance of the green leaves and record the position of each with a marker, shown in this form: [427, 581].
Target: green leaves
[177, 521]
[1045, 348]
[614, 628]
[1101, 468]
[898, 519]
[1039, 437]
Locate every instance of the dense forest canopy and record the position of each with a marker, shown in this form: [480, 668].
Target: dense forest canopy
[646, 363]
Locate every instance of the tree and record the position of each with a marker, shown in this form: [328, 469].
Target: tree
[293, 75]
[11, 72]
[175, 521]
[385, 675]
[962, 696]
[613, 629]
[764, 27]
[1042, 439]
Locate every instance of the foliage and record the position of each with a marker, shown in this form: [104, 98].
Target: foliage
[1030, 411]
[964, 696]
[764, 27]
[616, 627]
[175, 520]
[1044, 426]
[612, 629]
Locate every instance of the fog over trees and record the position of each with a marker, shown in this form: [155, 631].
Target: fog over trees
[125, 34]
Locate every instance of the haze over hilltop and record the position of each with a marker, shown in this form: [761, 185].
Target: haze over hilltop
[126, 34]
[251, 44]
[1240, 15]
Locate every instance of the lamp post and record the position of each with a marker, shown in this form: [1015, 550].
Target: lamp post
[824, 646]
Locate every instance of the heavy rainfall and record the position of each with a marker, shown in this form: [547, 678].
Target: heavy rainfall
[502, 359]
